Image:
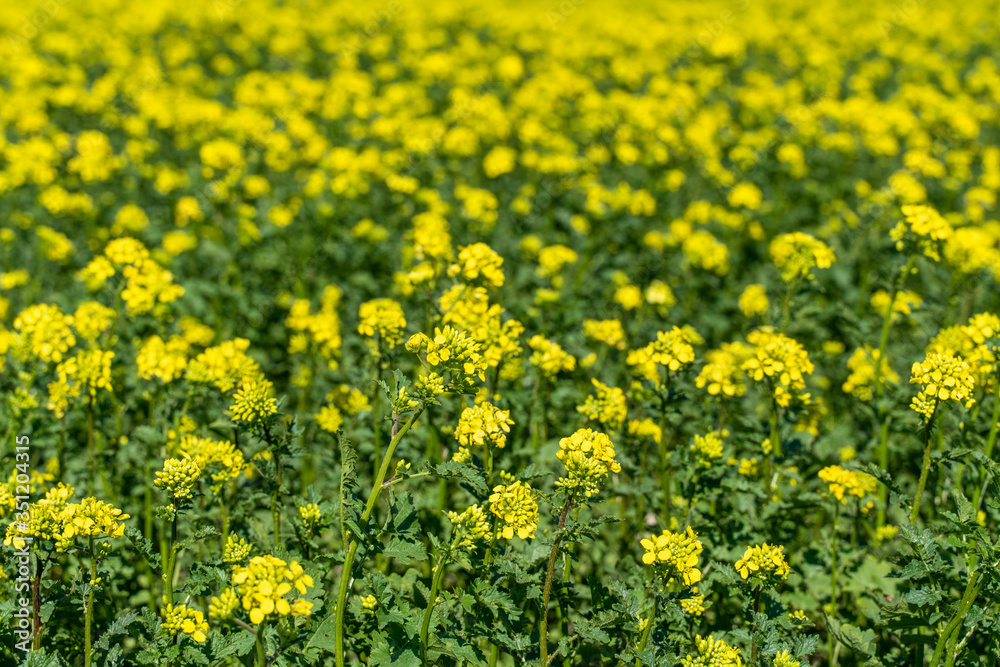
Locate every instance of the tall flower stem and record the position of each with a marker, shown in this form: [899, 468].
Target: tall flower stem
[352, 550]
[924, 468]
[91, 463]
[991, 442]
[543, 634]
[431, 602]
[648, 630]
[88, 609]
[883, 419]
[259, 643]
[787, 305]
[36, 602]
[666, 476]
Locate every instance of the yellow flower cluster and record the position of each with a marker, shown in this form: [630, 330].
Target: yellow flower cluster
[903, 304]
[843, 483]
[253, 404]
[588, 457]
[552, 259]
[609, 332]
[368, 603]
[483, 422]
[383, 317]
[925, 226]
[454, 351]
[165, 360]
[226, 365]
[178, 477]
[264, 582]
[975, 342]
[92, 319]
[479, 264]
[223, 608]
[722, 374]
[514, 504]
[89, 369]
[469, 309]
[311, 516]
[236, 550]
[764, 564]
[549, 357]
[146, 282]
[753, 301]
[713, 653]
[219, 458]
[55, 519]
[674, 556]
[781, 360]
[943, 377]
[470, 528]
[181, 618]
[707, 448]
[674, 350]
[798, 253]
[607, 405]
[694, 605]
[785, 659]
[646, 428]
[329, 418]
[862, 378]
[321, 328]
[44, 332]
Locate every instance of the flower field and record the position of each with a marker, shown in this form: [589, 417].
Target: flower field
[568, 333]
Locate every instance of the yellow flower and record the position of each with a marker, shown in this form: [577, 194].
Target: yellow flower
[311, 516]
[500, 160]
[713, 653]
[383, 317]
[43, 332]
[673, 350]
[924, 226]
[329, 419]
[226, 365]
[549, 357]
[765, 564]
[223, 607]
[178, 477]
[606, 405]
[483, 422]
[179, 618]
[779, 359]
[454, 351]
[90, 369]
[708, 447]
[470, 528]
[163, 360]
[609, 332]
[264, 584]
[479, 264]
[629, 296]
[253, 403]
[515, 506]
[797, 253]
[91, 319]
[674, 556]
[843, 483]
[753, 300]
[943, 377]
[862, 378]
[236, 550]
[552, 259]
[723, 372]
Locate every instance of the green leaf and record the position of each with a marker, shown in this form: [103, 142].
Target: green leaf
[405, 551]
[923, 596]
[323, 638]
[233, 644]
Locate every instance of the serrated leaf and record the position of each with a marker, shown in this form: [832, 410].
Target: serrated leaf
[405, 551]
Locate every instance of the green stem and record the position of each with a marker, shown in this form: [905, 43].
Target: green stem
[666, 478]
[88, 610]
[91, 464]
[543, 641]
[991, 441]
[786, 307]
[924, 468]
[971, 591]
[345, 575]
[431, 602]
[776, 448]
[883, 419]
[648, 630]
[259, 642]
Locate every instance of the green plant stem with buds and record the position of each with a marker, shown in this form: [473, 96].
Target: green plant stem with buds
[883, 419]
[352, 550]
[924, 467]
[991, 441]
[543, 641]
[88, 609]
[431, 602]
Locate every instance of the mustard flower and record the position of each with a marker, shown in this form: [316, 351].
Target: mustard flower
[479, 264]
[763, 564]
[784, 659]
[606, 405]
[943, 377]
[368, 603]
[383, 317]
[91, 319]
[658, 293]
[43, 331]
[862, 378]
[164, 360]
[707, 448]
[629, 296]
[90, 369]
[470, 528]
[552, 259]
[178, 477]
[753, 300]
[673, 350]
[674, 556]
[253, 403]
[592, 444]
[842, 483]
[646, 428]
[924, 226]
[713, 653]
[220, 459]
[904, 303]
[798, 253]
[454, 351]
[264, 583]
[223, 608]
[180, 618]
[226, 365]
[311, 516]
[514, 504]
[549, 357]
[781, 360]
[329, 418]
[722, 374]
[483, 422]
[236, 549]
[609, 332]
